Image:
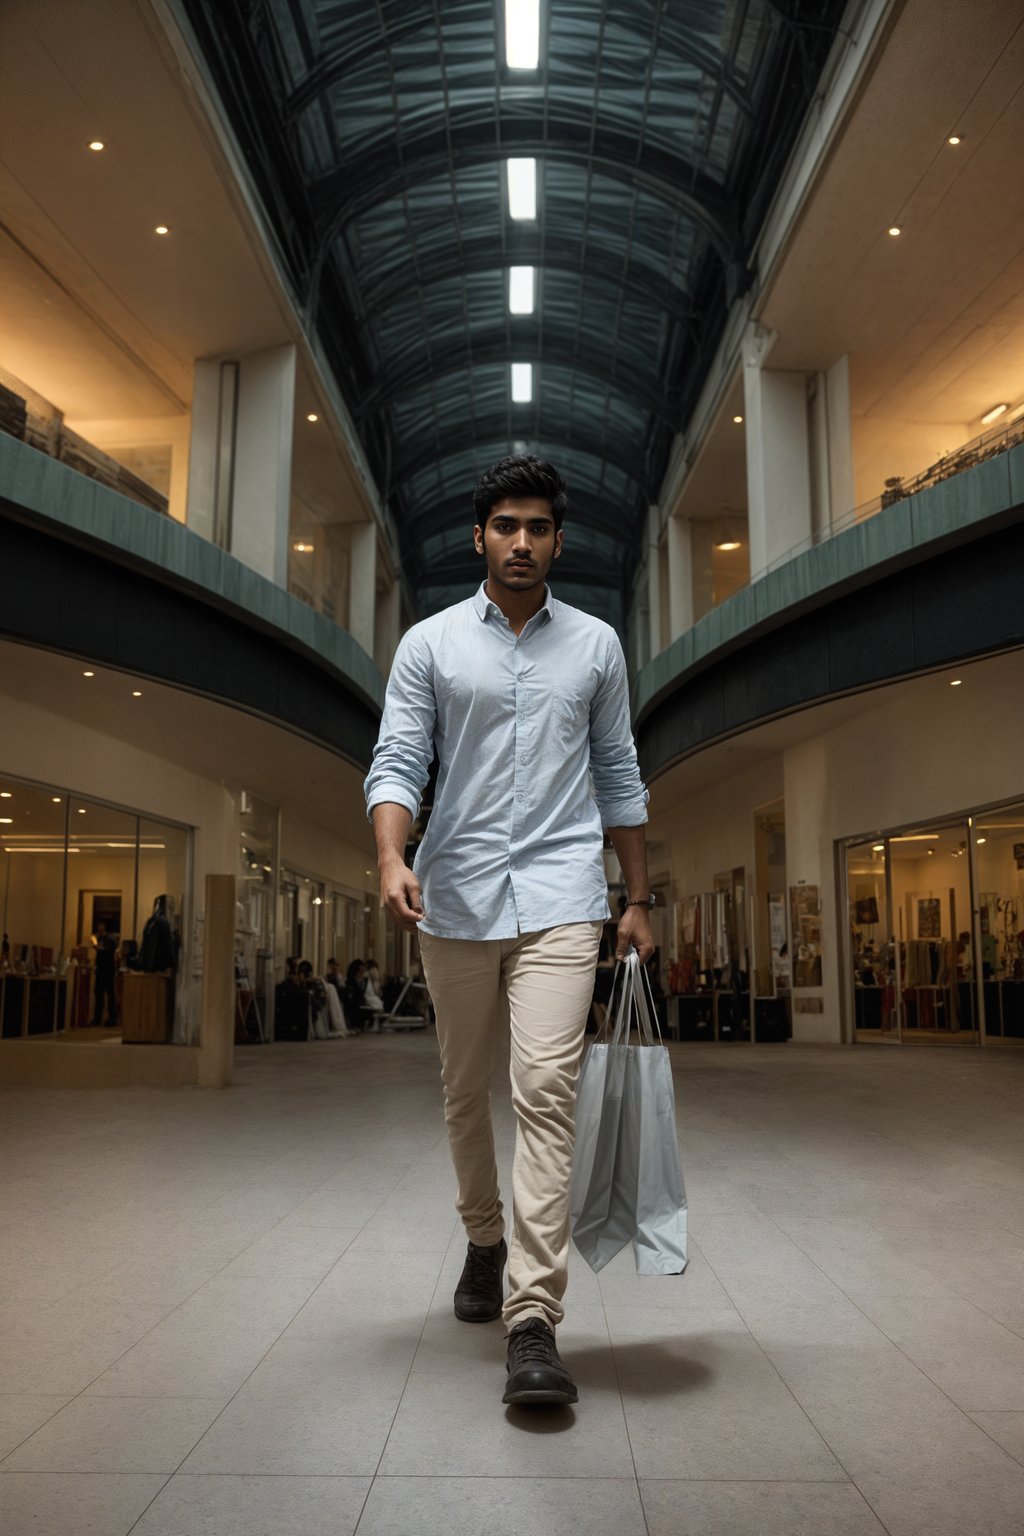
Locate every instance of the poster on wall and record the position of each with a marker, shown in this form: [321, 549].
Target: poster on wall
[779, 941]
[805, 911]
[929, 917]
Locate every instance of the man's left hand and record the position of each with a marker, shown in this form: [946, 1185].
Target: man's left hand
[634, 928]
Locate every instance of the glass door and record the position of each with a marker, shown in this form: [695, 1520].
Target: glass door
[996, 957]
[874, 952]
[930, 899]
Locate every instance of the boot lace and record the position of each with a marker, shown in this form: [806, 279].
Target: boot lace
[532, 1343]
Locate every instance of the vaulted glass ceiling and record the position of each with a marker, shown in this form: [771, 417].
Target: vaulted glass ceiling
[380, 132]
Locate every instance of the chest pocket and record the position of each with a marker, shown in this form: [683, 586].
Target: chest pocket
[572, 713]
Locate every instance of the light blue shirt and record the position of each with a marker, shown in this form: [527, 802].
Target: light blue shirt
[536, 756]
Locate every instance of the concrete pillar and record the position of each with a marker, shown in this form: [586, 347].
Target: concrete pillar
[362, 602]
[654, 579]
[211, 458]
[217, 1025]
[680, 576]
[810, 862]
[842, 491]
[261, 499]
[702, 567]
[778, 469]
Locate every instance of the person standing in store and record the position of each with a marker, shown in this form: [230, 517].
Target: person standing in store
[525, 700]
[105, 944]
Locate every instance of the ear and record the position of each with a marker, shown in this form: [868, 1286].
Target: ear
[478, 538]
[559, 536]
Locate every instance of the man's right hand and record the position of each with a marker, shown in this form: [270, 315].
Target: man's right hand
[400, 892]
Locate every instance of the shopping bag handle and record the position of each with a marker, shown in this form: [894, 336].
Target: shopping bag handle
[634, 993]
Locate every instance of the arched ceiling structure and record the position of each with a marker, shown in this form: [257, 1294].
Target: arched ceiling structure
[379, 131]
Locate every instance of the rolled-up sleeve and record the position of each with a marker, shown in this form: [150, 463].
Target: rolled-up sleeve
[618, 788]
[405, 746]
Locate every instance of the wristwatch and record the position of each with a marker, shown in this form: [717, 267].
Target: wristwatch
[644, 901]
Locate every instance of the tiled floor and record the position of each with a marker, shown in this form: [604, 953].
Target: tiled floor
[229, 1314]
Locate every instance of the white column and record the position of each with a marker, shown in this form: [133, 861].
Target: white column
[702, 556]
[217, 1026]
[842, 492]
[207, 447]
[654, 580]
[778, 472]
[680, 576]
[362, 601]
[809, 861]
[260, 503]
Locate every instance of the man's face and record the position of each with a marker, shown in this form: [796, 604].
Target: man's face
[519, 542]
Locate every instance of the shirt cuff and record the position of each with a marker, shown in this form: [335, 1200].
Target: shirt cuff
[393, 792]
[628, 812]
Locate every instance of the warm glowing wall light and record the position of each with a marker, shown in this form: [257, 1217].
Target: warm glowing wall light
[302, 548]
[522, 383]
[522, 34]
[521, 290]
[522, 188]
[996, 411]
[729, 544]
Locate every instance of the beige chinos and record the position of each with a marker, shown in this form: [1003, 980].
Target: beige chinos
[543, 984]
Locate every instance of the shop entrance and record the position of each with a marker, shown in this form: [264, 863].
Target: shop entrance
[936, 951]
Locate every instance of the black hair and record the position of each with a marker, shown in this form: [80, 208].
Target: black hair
[515, 478]
[305, 968]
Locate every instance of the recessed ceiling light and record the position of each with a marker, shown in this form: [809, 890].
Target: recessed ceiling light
[162, 229]
[81, 810]
[894, 230]
[302, 549]
[991, 415]
[88, 674]
[312, 416]
[981, 840]
[729, 544]
[878, 848]
[7, 820]
[136, 693]
[957, 682]
[55, 799]
[96, 145]
[737, 419]
[954, 139]
[522, 383]
[5, 794]
[522, 188]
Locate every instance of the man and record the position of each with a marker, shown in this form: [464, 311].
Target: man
[105, 944]
[526, 702]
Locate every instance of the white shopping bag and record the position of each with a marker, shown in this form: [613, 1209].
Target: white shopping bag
[627, 1181]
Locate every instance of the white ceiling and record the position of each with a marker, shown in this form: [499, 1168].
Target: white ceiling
[211, 739]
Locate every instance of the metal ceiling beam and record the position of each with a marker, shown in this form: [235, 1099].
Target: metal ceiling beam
[584, 512]
[469, 135]
[483, 253]
[358, 50]
[495, 433]
[521, 344]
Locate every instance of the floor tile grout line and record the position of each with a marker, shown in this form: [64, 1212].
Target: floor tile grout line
[456, 1231]
[622, 1410]
[771, 1363]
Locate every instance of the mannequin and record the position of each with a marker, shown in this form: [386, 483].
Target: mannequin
[158, 948]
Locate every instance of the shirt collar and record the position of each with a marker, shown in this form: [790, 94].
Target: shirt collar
[483, 604]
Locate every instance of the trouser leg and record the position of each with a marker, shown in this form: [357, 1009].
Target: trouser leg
[549, 977]
[464, 977]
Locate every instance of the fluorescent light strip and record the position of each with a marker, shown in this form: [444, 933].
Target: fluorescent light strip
[522, 34]
[522, 383]
[522, 188]
[521, 290]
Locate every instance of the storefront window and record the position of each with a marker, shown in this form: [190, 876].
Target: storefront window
[931, 899]
[94, 904]
[255, 921]
[872, 949]
[999, 846]
[33, 985]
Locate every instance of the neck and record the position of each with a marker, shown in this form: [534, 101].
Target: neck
[518, 607]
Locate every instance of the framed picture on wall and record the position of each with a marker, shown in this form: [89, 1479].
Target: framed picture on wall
[98, 907]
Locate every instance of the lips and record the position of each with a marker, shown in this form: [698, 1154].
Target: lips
[520, 565]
